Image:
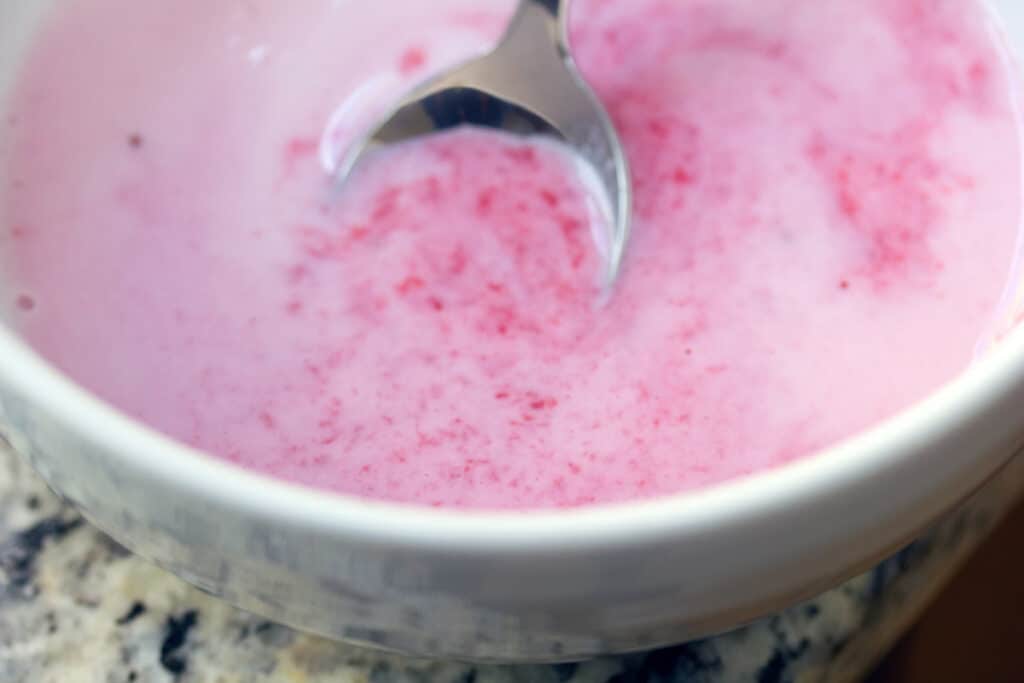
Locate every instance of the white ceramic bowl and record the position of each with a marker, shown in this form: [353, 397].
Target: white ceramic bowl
[545, 586]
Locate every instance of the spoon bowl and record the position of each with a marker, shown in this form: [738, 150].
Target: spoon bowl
[528, 85]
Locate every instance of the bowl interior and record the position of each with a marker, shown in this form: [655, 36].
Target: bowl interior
[18, 21]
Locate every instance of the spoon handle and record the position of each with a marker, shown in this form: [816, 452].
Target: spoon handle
[536, 18]
[555, 7]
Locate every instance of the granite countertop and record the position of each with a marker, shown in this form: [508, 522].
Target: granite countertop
[76, 607]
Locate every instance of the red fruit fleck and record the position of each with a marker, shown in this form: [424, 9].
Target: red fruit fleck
[543, 403]
[412, 60]
[485, 201]
[658, 129]
[849, 206]
[300, 147]
[457, 260]
[268, 420]
[297, 150]
[409, 284]
[682, 176]
[570, 226]
[523, 155]
[297, 274]
[316, 242]
[979, 72]
[358, 233]
[431, 189]
[387, 204]
[25, 303]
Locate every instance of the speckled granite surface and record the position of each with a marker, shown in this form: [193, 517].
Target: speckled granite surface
[76, 608]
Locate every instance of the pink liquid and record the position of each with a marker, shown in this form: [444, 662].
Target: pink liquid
[827, 208]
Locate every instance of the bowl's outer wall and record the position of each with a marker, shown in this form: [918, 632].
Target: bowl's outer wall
[506, 599]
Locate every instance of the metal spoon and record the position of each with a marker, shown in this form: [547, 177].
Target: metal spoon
[528, 85]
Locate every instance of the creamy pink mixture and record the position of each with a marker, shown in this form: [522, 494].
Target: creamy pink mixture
[827, 208]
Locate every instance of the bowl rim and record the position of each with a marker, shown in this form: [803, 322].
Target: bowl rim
[887, 446]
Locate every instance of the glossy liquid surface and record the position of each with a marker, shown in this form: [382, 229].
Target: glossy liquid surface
[827, 209]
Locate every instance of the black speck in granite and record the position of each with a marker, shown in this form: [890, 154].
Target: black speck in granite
[134, 612]
[176, 631]
[18, 554]
[258, 628]
[380, 673]
[835, 649]
[775, 670]
[566, 672]
[783, 629]
[273, 635]
[903, 562]
[696, 661]
[662, 663]
[87, 602]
